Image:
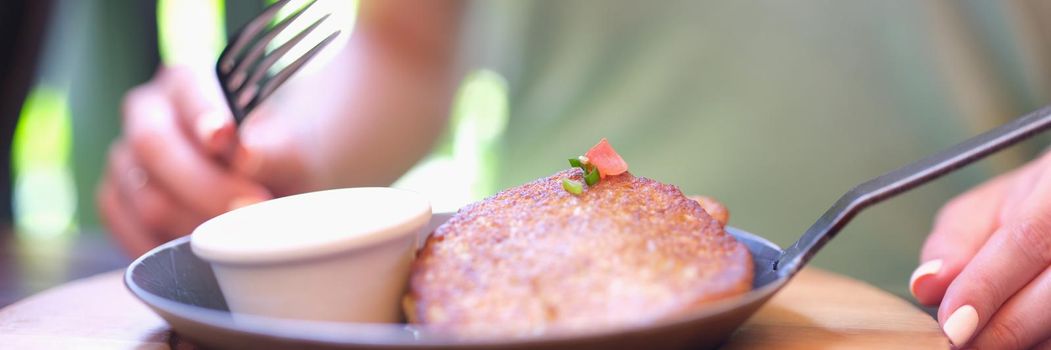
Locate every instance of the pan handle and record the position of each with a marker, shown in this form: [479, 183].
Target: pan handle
[903, 179]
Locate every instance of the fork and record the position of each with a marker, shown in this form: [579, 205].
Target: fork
[243, 66]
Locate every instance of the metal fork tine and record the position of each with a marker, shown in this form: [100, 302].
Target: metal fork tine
[243, 67]
[227, 59]
[260, 69]
[238, 74]
[271, 84]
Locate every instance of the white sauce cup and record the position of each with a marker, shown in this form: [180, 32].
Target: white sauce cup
[337, 255]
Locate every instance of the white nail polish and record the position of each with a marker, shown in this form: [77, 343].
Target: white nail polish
[925, 269]
[961, 324]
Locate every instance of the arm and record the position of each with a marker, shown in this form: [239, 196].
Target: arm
[362, 120]
[369, 115]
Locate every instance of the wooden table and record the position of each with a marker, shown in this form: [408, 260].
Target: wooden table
[30, 265]
[818, 309]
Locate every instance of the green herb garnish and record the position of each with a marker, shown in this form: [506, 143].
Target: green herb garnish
[591, 178]
[572, 186]
[574, 162]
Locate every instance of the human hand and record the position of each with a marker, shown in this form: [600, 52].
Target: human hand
[988, 262]
[177, 163]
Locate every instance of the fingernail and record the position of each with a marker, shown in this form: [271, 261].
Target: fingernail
[961, 324]
[926, 269]
[245, 201]
[208, 124]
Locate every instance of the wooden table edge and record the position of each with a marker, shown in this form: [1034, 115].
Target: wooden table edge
[818, 309]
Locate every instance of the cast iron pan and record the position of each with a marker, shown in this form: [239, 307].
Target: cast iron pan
[182, 288]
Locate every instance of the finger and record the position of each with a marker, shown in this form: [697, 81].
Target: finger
[714, 208]
[201, 109]
[125, 232]
[1046, 345]
[1016, 253]
[1023, 321]
[1021, 189]
[214, 130]
[271, 153]
[156, 210]
[169, 158]
[960, 229]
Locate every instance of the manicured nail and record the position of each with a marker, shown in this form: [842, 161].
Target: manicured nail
[926, 269]
[208, 124]
[245, 201]
[961, 324]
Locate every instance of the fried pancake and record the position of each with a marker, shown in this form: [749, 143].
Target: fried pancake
[536, 259]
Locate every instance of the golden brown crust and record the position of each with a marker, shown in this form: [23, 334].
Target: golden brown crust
[536, 259]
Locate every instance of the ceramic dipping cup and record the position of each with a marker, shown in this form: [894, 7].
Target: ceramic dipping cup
[338, 255]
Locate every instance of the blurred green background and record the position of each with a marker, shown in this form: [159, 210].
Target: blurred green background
[774, 107]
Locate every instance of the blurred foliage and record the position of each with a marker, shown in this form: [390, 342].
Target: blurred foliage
[191, 32]
[44, 194]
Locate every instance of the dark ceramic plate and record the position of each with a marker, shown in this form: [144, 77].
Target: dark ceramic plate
[182, 289]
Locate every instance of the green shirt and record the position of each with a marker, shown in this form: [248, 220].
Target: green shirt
[776, 108]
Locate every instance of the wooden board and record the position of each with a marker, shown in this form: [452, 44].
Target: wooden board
[817, 310]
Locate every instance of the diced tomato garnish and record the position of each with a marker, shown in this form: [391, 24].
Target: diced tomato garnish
[606, 159]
